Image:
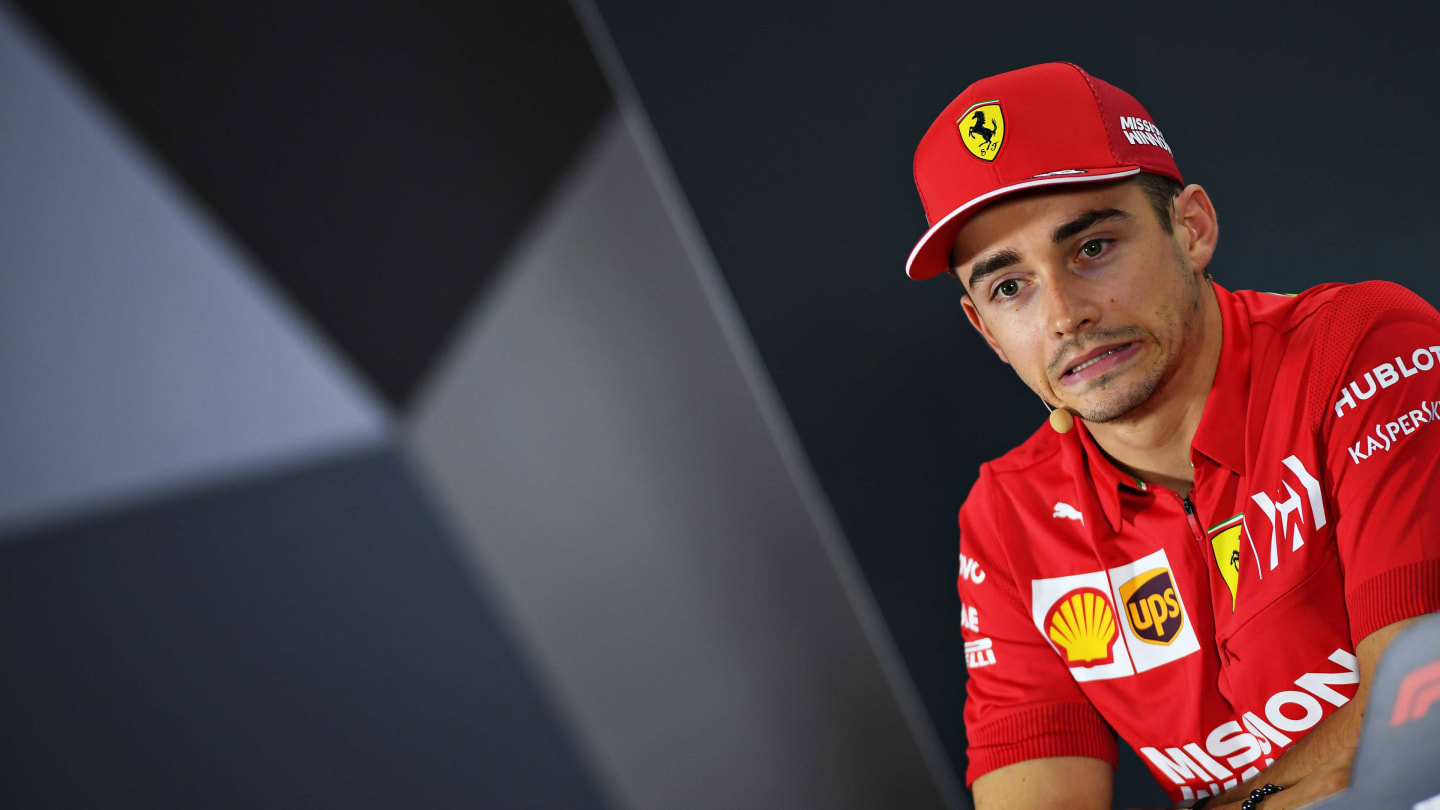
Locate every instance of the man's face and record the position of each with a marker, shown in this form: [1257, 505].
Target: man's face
[1084, 294]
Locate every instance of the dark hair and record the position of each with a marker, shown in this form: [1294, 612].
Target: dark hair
[1161, 191]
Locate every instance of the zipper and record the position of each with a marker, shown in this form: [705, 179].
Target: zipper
[1194, 521]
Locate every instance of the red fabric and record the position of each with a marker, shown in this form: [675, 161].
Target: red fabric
[1056, 730]
[1091, 599]
[1049, 124]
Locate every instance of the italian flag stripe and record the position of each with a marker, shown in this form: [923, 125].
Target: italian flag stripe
[1226, 523]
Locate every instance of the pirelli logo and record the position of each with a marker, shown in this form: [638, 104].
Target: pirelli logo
[1115, 623]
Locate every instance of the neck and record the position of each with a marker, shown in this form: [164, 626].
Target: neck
[1152, 442]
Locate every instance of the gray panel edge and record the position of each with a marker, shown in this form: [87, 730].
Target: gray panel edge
[762, 389]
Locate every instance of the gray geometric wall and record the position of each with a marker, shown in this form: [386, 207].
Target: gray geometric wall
[350, 462]
[145, 351]
[602, 448]
[222, 584]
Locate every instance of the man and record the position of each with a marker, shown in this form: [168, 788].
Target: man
[1234, 507]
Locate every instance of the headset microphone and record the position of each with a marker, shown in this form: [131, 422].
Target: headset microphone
[1061, 420]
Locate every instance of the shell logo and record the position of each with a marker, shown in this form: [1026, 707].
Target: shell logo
[1082, 623]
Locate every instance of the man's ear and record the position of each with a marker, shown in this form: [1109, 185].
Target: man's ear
[975, 321]
[1197, 228]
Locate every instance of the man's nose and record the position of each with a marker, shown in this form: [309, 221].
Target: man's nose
[1071, 308]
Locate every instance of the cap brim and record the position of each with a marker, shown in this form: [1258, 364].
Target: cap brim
[931, 255]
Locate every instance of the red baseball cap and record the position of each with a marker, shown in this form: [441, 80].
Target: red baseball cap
[1042, 125]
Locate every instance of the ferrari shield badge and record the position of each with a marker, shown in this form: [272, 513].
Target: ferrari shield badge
[982, 128]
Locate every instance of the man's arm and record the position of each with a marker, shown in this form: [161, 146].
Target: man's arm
[1022, 704]
[1319, 763]
[1053, 783]
[1385, 512]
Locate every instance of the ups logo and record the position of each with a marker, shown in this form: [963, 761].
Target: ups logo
[1152, 608]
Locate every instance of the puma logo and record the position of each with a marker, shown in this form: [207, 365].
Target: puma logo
[1065, 510]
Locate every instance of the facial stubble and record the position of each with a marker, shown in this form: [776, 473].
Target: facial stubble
[1182, 320]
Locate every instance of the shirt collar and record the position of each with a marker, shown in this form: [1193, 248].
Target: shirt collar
[1220, 436]
[1107, 478]
[1216, 437]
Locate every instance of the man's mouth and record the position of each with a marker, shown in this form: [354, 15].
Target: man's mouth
[1100, 361]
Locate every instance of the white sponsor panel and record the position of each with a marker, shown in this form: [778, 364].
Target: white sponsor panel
[1045, 593]
[1144, 653]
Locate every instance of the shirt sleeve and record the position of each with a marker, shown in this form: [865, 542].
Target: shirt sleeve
[1021, 702]
[1381, 442]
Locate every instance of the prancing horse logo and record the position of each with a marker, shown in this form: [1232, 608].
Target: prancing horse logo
[978, 128]
[982, 129]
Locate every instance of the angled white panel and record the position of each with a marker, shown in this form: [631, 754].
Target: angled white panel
[138, 348]
[593, 433]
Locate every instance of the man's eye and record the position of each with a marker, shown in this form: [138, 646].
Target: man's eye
[1093, 248]
[1008, 288]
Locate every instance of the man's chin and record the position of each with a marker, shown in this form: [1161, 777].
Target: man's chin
[1116, 406]
[1114, 397]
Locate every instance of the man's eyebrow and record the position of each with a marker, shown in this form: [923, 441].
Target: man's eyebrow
[1084, 221]
[993, 263]
[1002, 259]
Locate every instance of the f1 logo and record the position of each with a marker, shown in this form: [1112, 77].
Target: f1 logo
[1418, 691]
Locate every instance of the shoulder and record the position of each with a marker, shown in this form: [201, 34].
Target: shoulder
[993, 515]
[1308, 345]
[1005, 480]
[1335, 312]
[1357, 310]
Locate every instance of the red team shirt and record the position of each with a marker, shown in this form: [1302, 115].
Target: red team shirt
[1213, 633]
